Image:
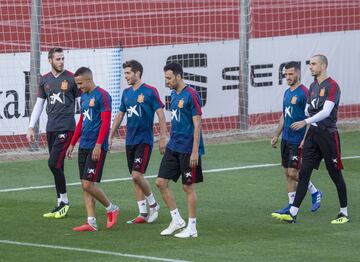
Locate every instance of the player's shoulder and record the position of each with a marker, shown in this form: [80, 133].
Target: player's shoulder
[46, 76]
[102, 92]
[68, 73]
[127, 90]
[331, 82]
[150, 89]
[191, 92]
[303, 89]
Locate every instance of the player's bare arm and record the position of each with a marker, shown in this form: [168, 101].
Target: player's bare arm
[278, 131]
[194, 158]
[162, 122]
[116, 124]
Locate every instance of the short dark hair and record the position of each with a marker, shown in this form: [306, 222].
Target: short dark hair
[293, 64]
[83, 71]
[175, 67]
[134, 65]
[323, 59]
[54, 50]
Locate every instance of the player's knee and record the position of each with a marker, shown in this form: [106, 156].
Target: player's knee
[160, 183]
[188, 189]
[86, 185]
[136, 177]
[293, 173]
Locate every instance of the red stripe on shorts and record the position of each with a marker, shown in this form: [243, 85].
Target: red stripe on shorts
[145, 158]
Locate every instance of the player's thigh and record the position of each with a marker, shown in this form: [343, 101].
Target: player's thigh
[141, 158]
[190, 175]
[170, 166]
[58, 150]
[330, 148]
[92, 170]
[130, 156]
[294, 156]
[311, 153]
[284, 153]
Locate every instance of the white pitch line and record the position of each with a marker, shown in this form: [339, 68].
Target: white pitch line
[102, 252]
[129, 178]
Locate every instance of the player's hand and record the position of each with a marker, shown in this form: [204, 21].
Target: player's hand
[110, 141]
[274, 141]
[298, 125]
[69, 151]
[162, 145]
[194, 159]
[30, 136]
[96, 152]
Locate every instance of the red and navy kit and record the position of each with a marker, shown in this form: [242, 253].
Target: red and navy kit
[61, 93]
[294, 104]
[327, 90]
[140, 106]
[95, 119]
[183, 107]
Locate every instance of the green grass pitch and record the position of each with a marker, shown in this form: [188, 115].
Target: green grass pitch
[234, 212]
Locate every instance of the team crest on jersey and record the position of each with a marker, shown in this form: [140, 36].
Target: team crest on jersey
[322, 92]
[92, 102]
[64, 85]
[293, 100]
[181, 103]
[140, 98]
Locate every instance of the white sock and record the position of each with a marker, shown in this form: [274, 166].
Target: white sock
[58, 201]
[192, 223]
[92, 221]
[151, 199]
[110, 208]
[344, 210]
[294, 210]
[311, 188]
[64, 198]
[291, 196]
[142, 206]
[175, 215]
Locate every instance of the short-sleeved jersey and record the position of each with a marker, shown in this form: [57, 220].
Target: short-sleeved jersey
[92, 105]
[294, 103]
[140, 106]
[61, 93]
[318, 94]
[183, 107]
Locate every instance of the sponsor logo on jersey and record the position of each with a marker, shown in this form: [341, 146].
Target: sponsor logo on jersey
[322, 92]
[293, 100]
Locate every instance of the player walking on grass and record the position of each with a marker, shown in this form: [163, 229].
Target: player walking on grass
[183, 152]
[140, 102]
[93, 131]
[322, 140]
[59, 89]
[294, 103]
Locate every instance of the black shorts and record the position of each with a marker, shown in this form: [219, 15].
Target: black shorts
[174, 164]
[88, 169]
[138, 157]
[321, 144]
[290, 155]
[58, 143]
